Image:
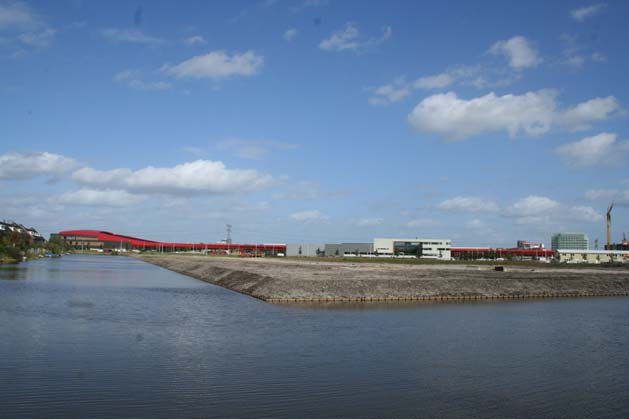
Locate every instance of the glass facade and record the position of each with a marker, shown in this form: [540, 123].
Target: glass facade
[407, 248]
[576, 241]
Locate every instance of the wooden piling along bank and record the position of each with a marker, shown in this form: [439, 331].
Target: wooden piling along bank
[296, 281]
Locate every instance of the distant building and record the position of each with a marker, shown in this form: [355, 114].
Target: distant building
[591, 256]
[525, 245]
[572, 241]
[305, 249]
[424, 248]
[28, 234]
[106, 241]
[349, 249]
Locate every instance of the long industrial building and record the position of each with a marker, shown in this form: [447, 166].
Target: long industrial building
[106, 241]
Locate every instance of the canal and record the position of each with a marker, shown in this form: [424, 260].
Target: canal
[107, 336]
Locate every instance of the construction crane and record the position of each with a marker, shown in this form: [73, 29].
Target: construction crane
[609, 226]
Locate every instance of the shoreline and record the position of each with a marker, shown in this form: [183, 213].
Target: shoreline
[299, 281]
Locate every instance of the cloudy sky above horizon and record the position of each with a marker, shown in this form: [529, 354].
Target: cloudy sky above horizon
[314, 120]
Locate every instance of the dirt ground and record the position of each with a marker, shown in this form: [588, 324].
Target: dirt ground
[285, 280]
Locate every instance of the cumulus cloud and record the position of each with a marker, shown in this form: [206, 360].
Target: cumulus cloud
[290, 34]
[309, 217]
[134, 80]
[192, 178]
[601, 148]
[533, 209]
[533, 113]
[133, 36]
[217, 65]
[532, 205]
[583, 13]
[348, 39]
[19, 166]
[91, 197]
[195, 40]
[518, 50]
[468, 204]
[581, 116]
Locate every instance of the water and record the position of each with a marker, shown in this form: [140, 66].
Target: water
[105, 336]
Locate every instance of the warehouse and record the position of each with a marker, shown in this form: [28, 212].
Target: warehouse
[349, 249]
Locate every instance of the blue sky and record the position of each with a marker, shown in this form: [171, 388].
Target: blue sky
[314, 120]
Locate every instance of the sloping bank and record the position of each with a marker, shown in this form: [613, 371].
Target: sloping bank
[281, 280]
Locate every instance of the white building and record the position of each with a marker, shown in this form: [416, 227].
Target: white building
[591, 256]
[425, 248]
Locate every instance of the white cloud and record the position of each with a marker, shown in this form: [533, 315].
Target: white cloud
[601, 148]
[134, 36]
[341, 40]
[434, 82]
[390, 93]
[195, 40]
[533, 113]
[586, 12]
[599, 57]
[532, 205]
[608, 195]
[368, 222]
[18, 166]
[290, 34]
[519, 52]
[217, 65]
[91, 197]
[192, 178]
[456, 118]
[581, 116]
[585, 214]
[309, 217]
[469, 204]
[347, 39]
[133, 79]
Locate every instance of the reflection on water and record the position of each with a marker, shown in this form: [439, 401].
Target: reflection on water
[104, 336]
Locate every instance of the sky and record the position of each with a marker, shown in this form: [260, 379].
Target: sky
[316, 121]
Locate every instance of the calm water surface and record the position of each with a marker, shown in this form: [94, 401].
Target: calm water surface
[105, 336]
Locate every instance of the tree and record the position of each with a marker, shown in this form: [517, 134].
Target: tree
[56, 245]
[299, 251]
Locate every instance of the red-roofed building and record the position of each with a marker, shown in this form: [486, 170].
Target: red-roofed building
[106, 241]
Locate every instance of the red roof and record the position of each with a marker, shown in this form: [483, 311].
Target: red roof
[137, 242]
